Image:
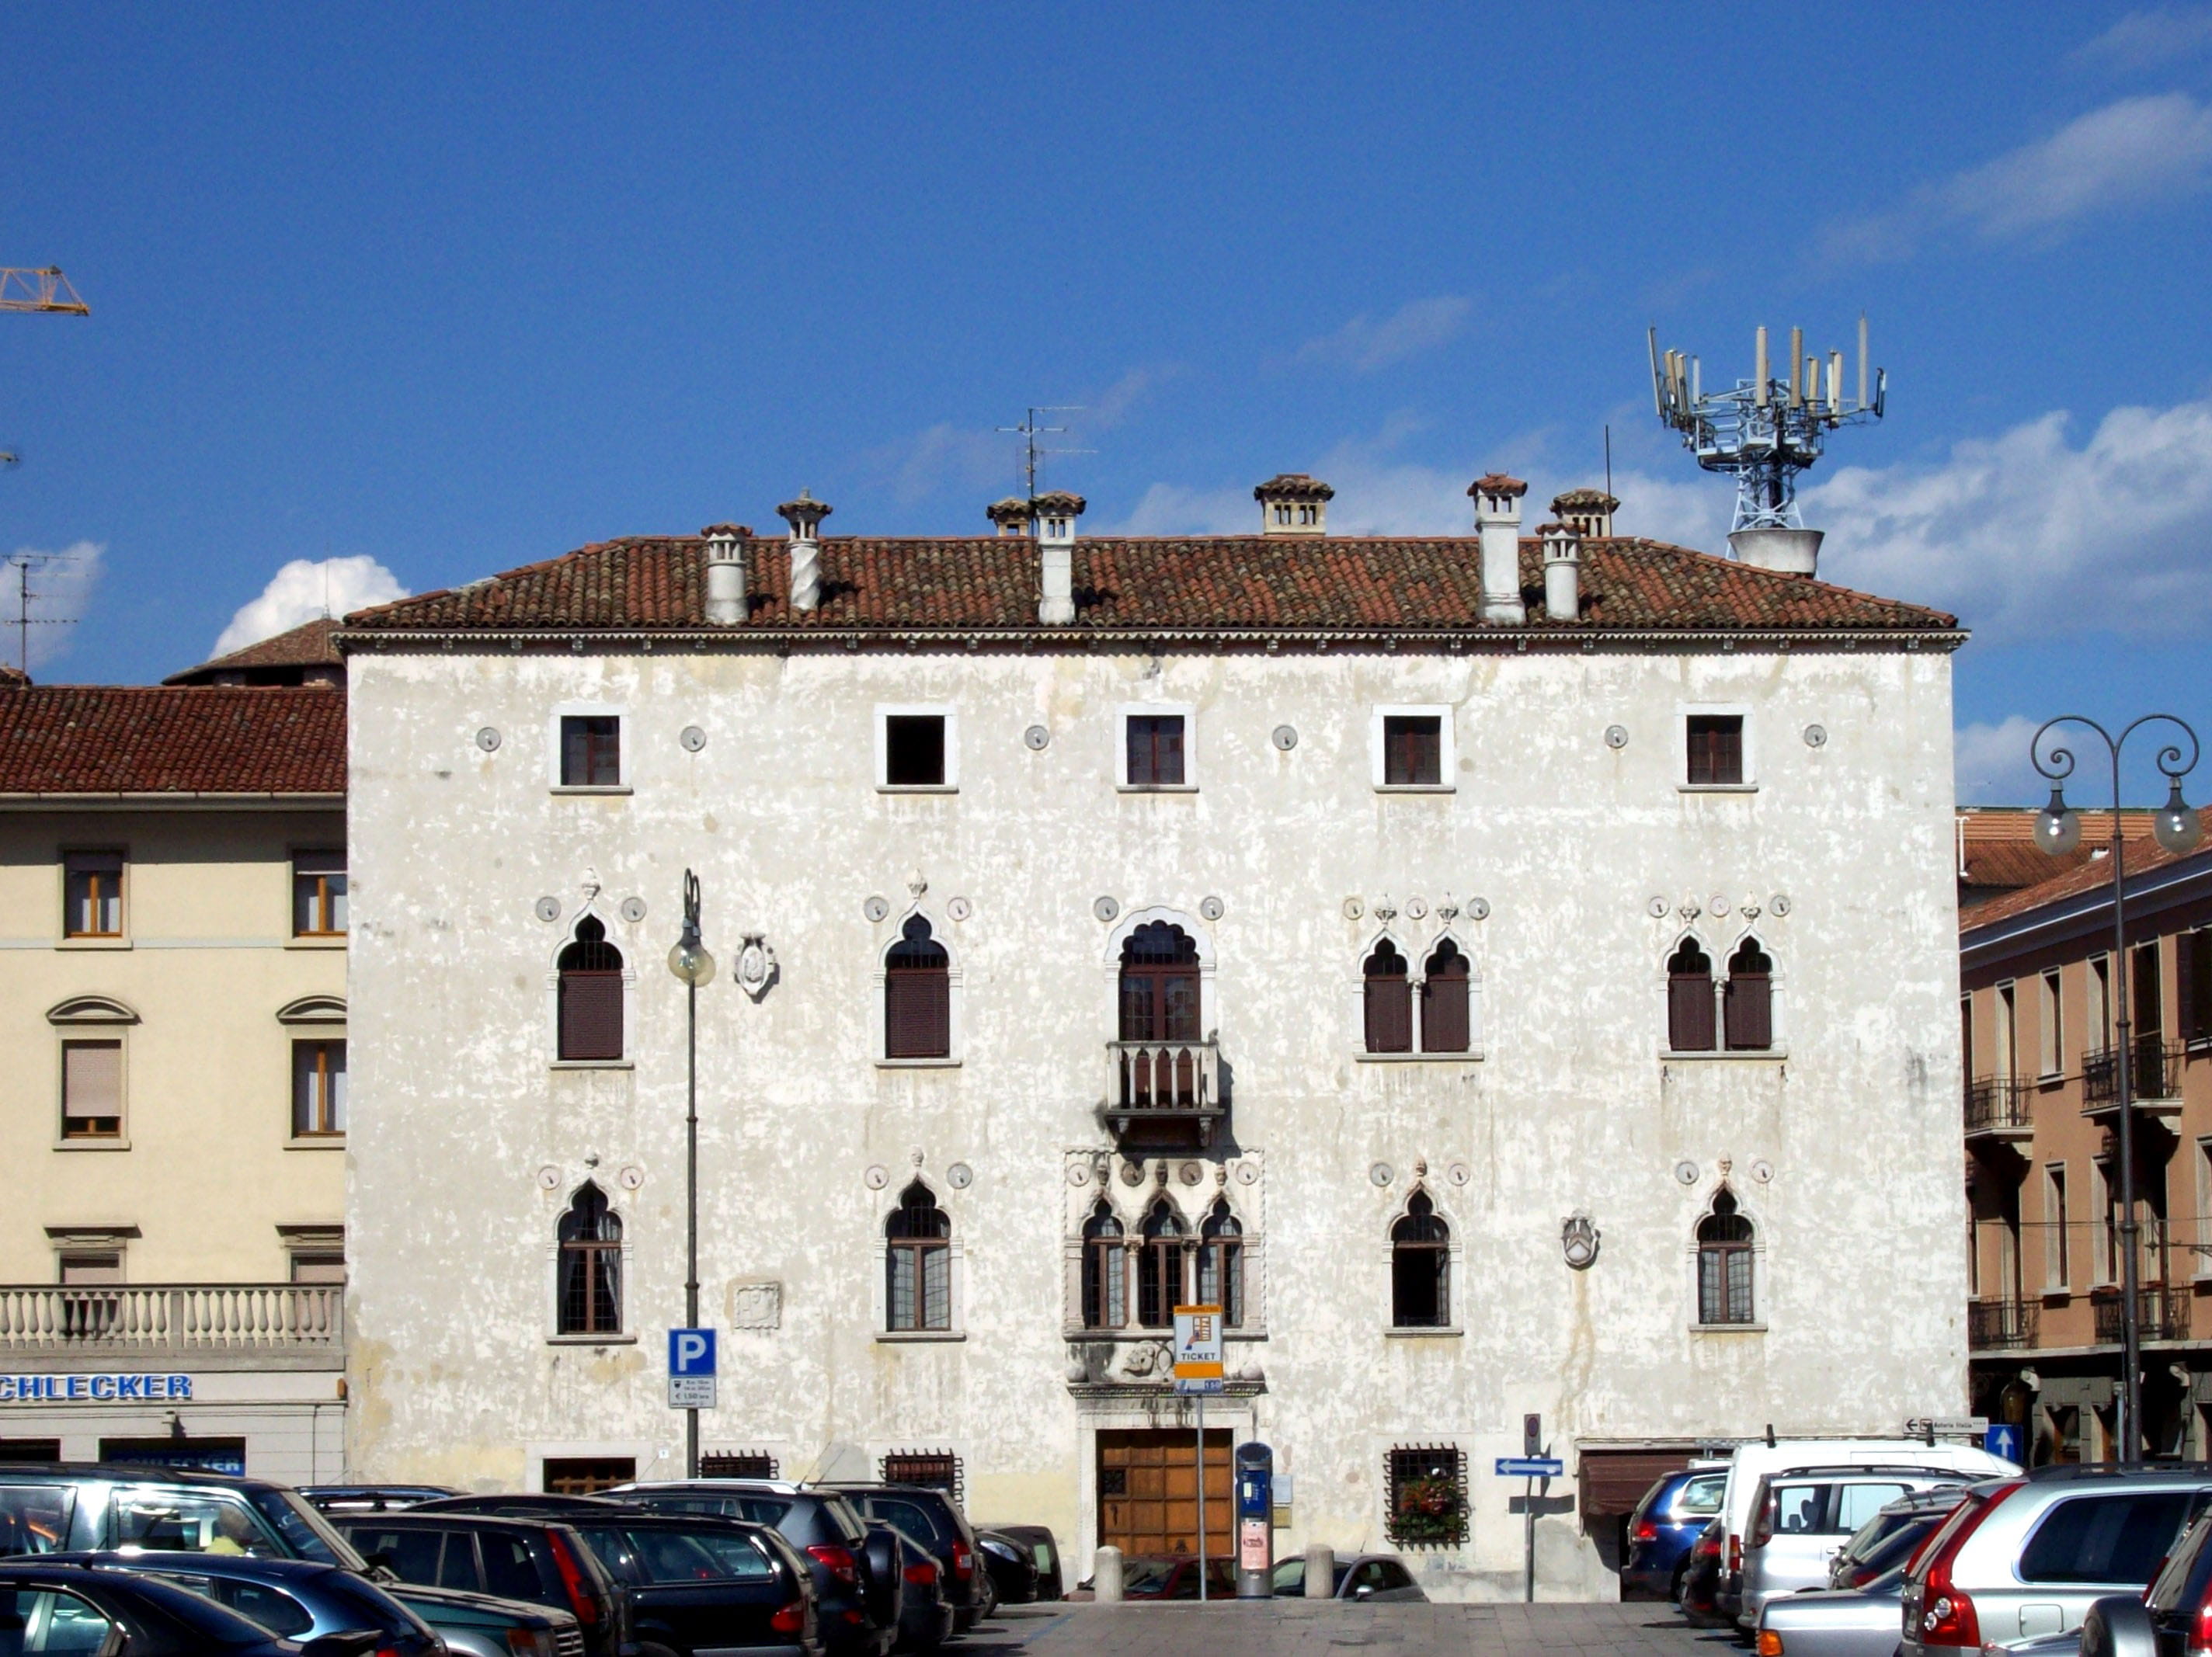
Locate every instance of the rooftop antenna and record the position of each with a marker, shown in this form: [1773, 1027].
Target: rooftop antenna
[23, 563]
[1029, 431]
[1766, 430]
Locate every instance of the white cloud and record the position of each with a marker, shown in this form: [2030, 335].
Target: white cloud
[1991, 762]
[61, 584]
[2025, 535]
[2128, 155]
[307, 588]
[990, 462]
[2150, 39]
[1418, 326]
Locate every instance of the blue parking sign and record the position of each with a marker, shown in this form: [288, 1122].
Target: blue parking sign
[691, 1353]
[2002, 1439]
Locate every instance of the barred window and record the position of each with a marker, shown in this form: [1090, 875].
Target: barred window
[936, 1469]
[736, 1464]
[919, 1257]
[590, 1266]
[1427, 1494]
[1724, 1259]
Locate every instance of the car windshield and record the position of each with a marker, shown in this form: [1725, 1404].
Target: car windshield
[702, 1555]
[35, 1517]
[1702, 1496]
[1290, 1576]
[1147, 1575]
[306, 1532]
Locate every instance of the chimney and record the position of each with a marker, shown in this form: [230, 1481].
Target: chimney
[725, 575]
[1563, 572]
[1011, 515]
[1497, 520]
[1056, 513]
[805, 515]
[1588, 512]
[1293, 503]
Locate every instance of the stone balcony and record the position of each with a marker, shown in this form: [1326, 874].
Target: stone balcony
[1165, 1093]
[172, 1325]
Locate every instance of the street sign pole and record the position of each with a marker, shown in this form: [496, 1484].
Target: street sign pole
[1201, 1496]
[1198, 1372]
[1532, 1445]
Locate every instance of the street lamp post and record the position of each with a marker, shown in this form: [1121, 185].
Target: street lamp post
[2059, 831]
[690, 962]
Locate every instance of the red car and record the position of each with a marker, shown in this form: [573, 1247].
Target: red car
[1176, 1577]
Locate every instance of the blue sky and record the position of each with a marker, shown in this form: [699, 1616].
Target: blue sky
[435, 291]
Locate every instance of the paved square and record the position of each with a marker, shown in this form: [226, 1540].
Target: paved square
[1294, 1628]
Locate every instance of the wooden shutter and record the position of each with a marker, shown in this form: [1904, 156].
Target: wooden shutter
[917, 1013]
[1413, 749]
[1389, 1016]
[92, 1087]
[1749, 1005]
[590, 1015]
[1443, 1011]
[1690, 1013]
[2192, 958]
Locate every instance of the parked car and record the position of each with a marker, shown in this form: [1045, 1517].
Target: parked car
[48, 1607]
[535, 1560]
[65, 1506]
[1699, 1601]
[1368, 1577]
[371, 1498]
[702, 1583]
[1013, 1571]
[1801, 1520]
[1663, 1527]
[822, 1525]
[1834, 1621]
[522, 1504]
[482, 1625]
[2022, 1558]
[2181, 1599]
[292, 1597]
[1044, 1549]
[1888, 1540]
[933, 1518]
[1163, 1576]
[926, 1617]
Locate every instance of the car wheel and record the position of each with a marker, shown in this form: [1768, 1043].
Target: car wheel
[1681, 1575]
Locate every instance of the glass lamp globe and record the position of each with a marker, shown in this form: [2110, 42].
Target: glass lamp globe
[2174, 825]
[690, 962]
[2057, 826]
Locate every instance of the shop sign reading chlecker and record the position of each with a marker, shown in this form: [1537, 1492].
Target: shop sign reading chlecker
[104, 1388]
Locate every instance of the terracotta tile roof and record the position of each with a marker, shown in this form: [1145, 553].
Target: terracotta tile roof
[2001, 854]
[1224, 583]
[205, 739]
[305, 645]
[2143, 857]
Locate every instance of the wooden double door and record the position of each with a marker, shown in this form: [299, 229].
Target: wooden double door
[1148, 1492]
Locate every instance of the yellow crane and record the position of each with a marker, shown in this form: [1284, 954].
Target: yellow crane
[45, 289]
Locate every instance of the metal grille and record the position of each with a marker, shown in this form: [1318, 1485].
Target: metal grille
[937, 1470]
[569, 1643]
[736, 1464]
[1427, 1490]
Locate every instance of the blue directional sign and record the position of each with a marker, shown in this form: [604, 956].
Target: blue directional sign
[1530, 1467]
[690, 1351]
[2002, 1439]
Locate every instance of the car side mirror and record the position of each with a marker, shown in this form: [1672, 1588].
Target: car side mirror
[1364, 1592]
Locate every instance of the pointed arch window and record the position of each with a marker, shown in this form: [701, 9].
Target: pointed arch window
[917, 995]
[919, 1257]
[1105, 1270]
[1420, 1268]
[1221, 1264]
[1724, 1261]
[1690, 998]
[1444, 1000]
[590, 1266]
[591, 1005]
[1159, 985]
[1159, 1267]
[1747, 1003]
[1389, 1001]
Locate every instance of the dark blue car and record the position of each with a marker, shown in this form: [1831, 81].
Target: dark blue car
[1662, 1528]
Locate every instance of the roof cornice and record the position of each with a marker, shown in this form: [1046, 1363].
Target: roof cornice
[2080, 912]
[171, 800]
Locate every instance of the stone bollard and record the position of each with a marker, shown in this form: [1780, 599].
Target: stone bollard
[1320, 1571]
[1106, 1576]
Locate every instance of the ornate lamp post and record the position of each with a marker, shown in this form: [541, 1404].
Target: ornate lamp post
[2059, 831]
[690, 962]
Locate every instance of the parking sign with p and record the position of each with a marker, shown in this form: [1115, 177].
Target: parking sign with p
[690, 1369]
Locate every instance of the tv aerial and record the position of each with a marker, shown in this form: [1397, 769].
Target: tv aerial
[1764, 431]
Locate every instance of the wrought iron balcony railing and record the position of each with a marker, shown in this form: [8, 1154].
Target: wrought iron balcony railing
[2162, 1313]
[1164, 1082]
[1998, 1106]
[146, 1320]
[2154, 1072]
[1994, 1324]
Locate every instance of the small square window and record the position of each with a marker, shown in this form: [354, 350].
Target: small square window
[319, 1088]
[1155, 743]
[590, 750]
[1413, 750]
[318, 895]
[92, 894]
[914, 750]
[1716, 743]
[92, 1090]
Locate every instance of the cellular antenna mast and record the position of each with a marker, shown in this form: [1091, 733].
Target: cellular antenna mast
[1765, 430]
[1029, 431]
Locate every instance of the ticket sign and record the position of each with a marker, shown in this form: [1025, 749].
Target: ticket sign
[1197, 1349]
[1255, 1545]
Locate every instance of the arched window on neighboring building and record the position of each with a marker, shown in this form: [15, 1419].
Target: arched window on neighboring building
[1159, 985]
[1444, 1000]
[590, 1266]
[1724, 1255]
[917, 995]
[1420, 1268]
[1221, 1264]
[591, 1005]
[919, 1257]
[1747, 1003]
[1160, 1268]
[1105, 1270]
[1690, 999]
[1389, 1001]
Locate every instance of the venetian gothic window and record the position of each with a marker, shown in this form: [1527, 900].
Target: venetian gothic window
[1444, 1000]
[918, 1256]
[1221, 1264]
[917, 995]
[590, 1012]
[1390, 1000]
[1159, 985]
[1421, 1267]
[1159, 1267]
[1690, 998]
[1725, 1241]
[589, 1287]
[1747, 1003]
[1105, 1270]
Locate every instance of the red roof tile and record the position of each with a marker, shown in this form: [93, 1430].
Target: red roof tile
[305, 645]
[206, 739]
[1225, 582]
[2143, 858]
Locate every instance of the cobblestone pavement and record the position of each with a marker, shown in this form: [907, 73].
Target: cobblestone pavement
[1294, 1628]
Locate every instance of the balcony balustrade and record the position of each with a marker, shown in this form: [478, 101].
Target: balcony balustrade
[2154, 1076]
[1996, 1325]
[225, 1325]
[1999, 1107]
[2162, 1311]
[1168, 1084]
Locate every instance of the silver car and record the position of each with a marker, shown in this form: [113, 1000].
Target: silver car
[2025, 1558]
[1803, 1518]
[1368, 1578]
[1834, 1622]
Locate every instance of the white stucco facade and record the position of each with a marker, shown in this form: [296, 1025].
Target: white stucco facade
[1590, 862]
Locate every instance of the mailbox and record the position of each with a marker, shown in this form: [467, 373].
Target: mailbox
[1256, 1521]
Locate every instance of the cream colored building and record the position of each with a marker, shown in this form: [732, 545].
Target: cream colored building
[1515, 975]
[172, 980]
